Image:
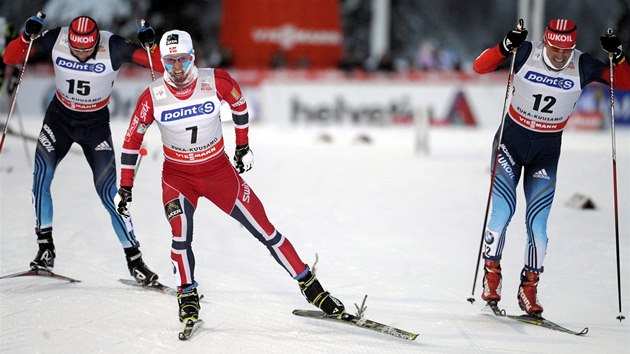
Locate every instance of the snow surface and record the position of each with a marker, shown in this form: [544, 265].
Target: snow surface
[384, 221]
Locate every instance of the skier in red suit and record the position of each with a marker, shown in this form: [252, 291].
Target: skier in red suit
[185, 105]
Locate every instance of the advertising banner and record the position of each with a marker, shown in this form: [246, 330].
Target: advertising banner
[282, 33]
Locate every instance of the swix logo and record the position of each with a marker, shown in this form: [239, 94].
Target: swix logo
[246, 193]
[559, 82]
[144, 110]
[74, 65]
[187, 112]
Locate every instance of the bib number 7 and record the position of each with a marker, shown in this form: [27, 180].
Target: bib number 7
[193, 137]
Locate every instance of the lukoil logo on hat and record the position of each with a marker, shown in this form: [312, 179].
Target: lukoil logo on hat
[83, 33]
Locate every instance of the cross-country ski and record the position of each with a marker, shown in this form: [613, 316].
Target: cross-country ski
[41, 273]
[493, 309]
[359, 322]
[426, 152]
[154, 286]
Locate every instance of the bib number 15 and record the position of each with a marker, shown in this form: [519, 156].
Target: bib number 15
[80, 87]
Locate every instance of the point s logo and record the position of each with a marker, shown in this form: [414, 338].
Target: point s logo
[75, 65]
[558, 82]
[187, 112]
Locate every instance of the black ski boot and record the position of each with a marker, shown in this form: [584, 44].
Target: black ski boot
[45, 258]
[315, 294]
[188, 300]
[137, 268]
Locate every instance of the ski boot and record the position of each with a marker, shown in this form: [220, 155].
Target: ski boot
[45, 258]
[137, 268]
[315, 294]
[188, 300]
[527, 293]
[492, 281]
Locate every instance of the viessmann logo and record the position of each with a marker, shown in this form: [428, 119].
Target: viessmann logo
[75, 65]
[288, 36]
[186, 112]
[559, 82]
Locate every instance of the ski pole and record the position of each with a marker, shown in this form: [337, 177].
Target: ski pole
[519, 27]
[17, 86]
[146, 46]
[143, 152]
[614, 172]
[24, 139]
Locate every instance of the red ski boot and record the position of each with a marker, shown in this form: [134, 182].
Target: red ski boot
[491, 281]
[527, 299]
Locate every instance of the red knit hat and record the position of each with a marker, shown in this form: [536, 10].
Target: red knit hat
[561, 34]
[83, 33]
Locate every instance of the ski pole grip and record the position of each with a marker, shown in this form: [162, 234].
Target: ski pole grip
[142, 22]
[520, 25]
[42, 16]
[609, 32]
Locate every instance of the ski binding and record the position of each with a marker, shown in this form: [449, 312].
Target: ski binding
[190, 327]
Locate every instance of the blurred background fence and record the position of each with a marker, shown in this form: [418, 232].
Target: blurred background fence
[328, 62]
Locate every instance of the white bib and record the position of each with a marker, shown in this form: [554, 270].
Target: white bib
[191, 129]
[544, 99]
[83, 86]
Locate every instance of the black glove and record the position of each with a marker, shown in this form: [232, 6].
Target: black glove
[146, 34]
[124, 193]
[243, 158]
[33, 26]
[513, 40]
[612, 44]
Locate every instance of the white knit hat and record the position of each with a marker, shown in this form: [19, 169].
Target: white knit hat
[176, 41]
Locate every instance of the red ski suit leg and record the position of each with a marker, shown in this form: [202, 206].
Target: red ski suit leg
[216, 180]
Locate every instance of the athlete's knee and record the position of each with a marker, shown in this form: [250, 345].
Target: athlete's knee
[272, 239]
[181, 243]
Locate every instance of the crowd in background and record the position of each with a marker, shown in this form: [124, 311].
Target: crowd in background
[425, 35]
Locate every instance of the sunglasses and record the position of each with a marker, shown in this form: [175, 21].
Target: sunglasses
[183, 59]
